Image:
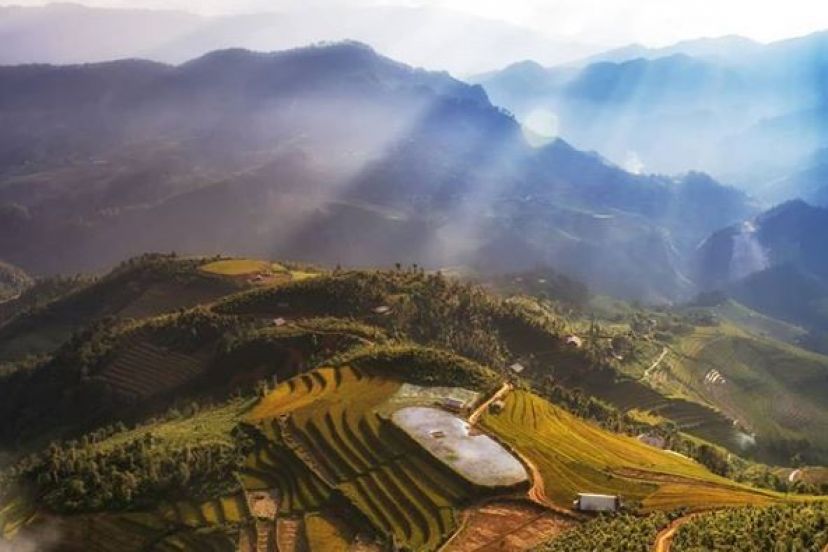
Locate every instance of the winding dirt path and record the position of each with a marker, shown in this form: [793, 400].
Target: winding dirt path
[656, 364]
[664, 539]
[499, 394]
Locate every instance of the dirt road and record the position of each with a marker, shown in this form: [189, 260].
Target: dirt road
[499, 394]
[657, 363]
[664, 539]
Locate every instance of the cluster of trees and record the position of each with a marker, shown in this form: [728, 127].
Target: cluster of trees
[91, 474]
[617, 533]
[420, 365]
[427, 308]
[783, 528]
[547, 284]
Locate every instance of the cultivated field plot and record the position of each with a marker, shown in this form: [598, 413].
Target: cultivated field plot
[476, 457]
[776, 390]
[125, 532]
[507, 526]
[575, 456]
[691, 417]
[229, 510]
[143, 369]
[241, 267]
[16, 510]
[257, 271]
[326, 420]
[164, 297]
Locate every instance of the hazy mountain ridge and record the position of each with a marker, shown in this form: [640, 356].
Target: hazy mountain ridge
[748, 114]
[72, 33]
[328, 153]
[790, 281]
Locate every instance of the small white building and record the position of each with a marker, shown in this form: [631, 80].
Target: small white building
[588, 502]
[382, 310]
[574, 341]
[517, 368]
[452, 404]
[279, 322]
[652, 440]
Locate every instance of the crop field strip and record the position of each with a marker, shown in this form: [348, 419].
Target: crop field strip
[790, 382]
[277, 467]
[143, 369]
[119, 532]
[575, 456]
[401, 491]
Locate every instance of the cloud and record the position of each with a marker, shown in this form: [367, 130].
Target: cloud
[633, 163]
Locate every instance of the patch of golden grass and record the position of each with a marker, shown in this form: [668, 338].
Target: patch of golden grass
[576, 456]
[238, 267]
[326, 534]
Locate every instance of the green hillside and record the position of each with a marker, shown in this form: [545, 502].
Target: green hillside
[775, 391]
[261, 414]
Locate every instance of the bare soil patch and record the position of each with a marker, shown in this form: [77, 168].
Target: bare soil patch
[507, 525]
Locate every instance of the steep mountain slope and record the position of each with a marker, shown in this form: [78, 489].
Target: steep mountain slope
[333, 150]
[747, 113]
[809, 180]
[775, 266]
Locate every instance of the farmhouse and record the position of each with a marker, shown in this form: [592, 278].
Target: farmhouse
[453, 404]
[278, 322]
[588, 502]
[652, 440]
[382, 310]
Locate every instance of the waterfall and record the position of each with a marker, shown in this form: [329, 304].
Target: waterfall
[748, 254]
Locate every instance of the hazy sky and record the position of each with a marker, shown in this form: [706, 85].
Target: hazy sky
[652, 22]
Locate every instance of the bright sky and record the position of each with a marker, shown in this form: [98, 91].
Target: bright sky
[651, 22]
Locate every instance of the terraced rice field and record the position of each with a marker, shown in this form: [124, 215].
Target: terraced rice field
[274, 466]
[16, 510]
[327, 419]
[125, 532]
[225, 510]
[165, 297]
[774, 389]
[326, 533]
[575, 456]
[142, 369]
[629, 394]
[183, 526]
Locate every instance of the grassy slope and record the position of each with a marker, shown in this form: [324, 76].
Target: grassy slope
[575, 456]
[758, 323]
[774, 389]
[140, 288]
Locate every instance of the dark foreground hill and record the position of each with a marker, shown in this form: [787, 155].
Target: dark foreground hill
[329, 153]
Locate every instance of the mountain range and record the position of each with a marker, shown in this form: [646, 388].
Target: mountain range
[750, 114]
[65, 33]
[775, 264]
[330, 153]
